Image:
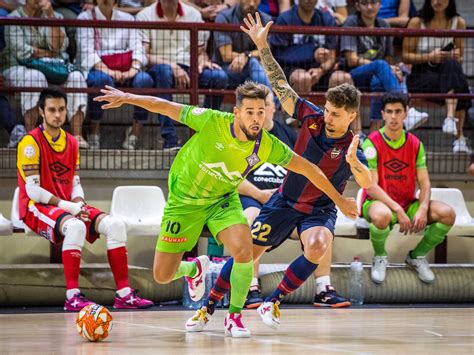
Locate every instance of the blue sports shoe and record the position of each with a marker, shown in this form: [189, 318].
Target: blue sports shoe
[330, 298]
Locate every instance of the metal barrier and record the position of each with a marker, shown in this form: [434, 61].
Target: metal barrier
[152, 159]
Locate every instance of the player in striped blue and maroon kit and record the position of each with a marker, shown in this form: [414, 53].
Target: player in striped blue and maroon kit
[326, 141]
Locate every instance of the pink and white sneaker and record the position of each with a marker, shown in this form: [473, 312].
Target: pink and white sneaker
[197, 284]
[131, 301]
[76, 303]
[234, 327]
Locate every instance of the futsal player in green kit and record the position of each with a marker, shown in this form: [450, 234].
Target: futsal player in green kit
[203, 183]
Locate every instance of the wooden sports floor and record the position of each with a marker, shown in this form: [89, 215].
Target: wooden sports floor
[302, 331]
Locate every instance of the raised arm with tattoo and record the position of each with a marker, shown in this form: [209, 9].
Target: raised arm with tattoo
[275, 74]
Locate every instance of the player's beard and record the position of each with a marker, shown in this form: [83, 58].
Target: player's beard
[250, 136]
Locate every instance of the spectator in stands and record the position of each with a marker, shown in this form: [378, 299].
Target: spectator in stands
[133, 7]
[7, 6]
[210, 8]
[234, 51]
[8, 120]
[366, 57]
[258, 187]
[30, 48]
[308, 60]
[337, 8]
[112, 56]
[397, 162]
[396, 12]
[168, 54]
[274, 7]
[437, 64]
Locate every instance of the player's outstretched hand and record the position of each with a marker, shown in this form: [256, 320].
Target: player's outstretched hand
[351, 155]
[113, 96]
[349, 207]
[255, 29]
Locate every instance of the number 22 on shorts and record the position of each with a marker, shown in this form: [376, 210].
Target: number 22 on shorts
[260, 231]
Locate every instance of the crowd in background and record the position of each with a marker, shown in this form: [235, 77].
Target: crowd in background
[159, 58]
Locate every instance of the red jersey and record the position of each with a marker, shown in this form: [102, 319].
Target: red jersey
[396, 168]
[57, 169]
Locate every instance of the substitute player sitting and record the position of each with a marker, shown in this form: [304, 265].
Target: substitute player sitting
[324, 140]
[51, 203]
[203, 183]
[397, 162]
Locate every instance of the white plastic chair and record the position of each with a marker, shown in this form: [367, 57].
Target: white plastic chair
[140, 207]
[15, 217]
[464, 224]
[345, 227]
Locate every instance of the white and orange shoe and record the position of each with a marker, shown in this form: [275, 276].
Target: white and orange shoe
[198, 322]
[270, 314]
[197, 284]
[234, 327]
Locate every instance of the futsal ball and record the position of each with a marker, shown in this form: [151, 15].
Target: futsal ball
[94, 322]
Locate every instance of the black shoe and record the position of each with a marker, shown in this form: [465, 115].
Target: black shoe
[330, 298]
[254, 298]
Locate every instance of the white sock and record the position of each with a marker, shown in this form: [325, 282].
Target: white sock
[254, 283]
[321, 283]
[124, 291]
[70, 293]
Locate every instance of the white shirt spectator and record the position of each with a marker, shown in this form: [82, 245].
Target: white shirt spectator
[111, 40]
[172, 46]
[329, 5]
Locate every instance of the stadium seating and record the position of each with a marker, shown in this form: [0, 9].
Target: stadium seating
[140, 207]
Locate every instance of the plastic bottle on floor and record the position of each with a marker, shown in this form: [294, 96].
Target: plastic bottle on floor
[356, 290]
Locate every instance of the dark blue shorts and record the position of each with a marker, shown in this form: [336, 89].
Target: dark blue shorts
[277, 220]
[249, 202]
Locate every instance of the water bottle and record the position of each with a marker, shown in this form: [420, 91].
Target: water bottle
[357, 282]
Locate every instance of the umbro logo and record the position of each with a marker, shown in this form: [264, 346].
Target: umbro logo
[59, 168]
[219, 146]
[395, 165]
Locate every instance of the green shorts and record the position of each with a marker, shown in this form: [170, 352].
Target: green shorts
[182, 223]
[410, 211]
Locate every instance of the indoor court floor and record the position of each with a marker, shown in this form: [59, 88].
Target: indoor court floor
[367, 330]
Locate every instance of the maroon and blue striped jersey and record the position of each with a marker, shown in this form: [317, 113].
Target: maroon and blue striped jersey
[327, 153]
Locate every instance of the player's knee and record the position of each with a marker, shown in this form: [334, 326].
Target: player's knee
[317, 245]
[449, 216]
[381, 220]
[74, 232]
[114, 230]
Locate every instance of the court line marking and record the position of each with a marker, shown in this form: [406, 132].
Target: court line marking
[437, 334]
[318, 347]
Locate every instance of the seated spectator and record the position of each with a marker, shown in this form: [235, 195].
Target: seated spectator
[366, 58]
[30, 48]
[274, 7]
[112, 56]
[168, 54]
[133, 7]
[234, 51]
[7, 6]
[392, 198]
[308, 60]
[396, 12]
[437, 64]
[337, 8]
[210, 8]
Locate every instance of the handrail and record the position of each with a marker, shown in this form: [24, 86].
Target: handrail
[203, 26]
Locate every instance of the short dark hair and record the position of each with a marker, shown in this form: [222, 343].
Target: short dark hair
[393, 98]
[427, 11]
[250, 90]
[51, 93]
[345, 95]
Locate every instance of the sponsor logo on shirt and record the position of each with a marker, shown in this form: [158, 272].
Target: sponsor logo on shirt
[167, 239]
[29, 151]
[219, 146]
[219, 171]
[395, 165]
[252, 159]
[198, 111]
[313, 126]
[269, 173]
[370, 152]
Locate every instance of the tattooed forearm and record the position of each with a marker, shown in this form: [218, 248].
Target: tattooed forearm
[276, 76]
